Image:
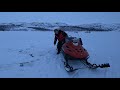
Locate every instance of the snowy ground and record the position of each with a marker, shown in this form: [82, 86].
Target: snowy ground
[32, 54]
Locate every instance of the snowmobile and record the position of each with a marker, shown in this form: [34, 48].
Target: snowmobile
[73, 49]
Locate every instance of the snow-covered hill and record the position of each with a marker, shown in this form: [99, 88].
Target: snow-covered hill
[101, 26]
[23, 26]
[41, 26]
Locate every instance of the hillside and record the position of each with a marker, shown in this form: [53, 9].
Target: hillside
[41, 26]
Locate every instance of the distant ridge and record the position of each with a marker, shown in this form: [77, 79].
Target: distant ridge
[43, 26]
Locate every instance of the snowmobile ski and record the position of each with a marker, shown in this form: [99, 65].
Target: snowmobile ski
[69, 68]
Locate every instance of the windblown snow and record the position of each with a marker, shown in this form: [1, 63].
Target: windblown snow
[32, 54]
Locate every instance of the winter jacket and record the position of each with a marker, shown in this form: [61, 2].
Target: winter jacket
[60, 36]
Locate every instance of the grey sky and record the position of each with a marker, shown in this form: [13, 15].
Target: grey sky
[73, 18]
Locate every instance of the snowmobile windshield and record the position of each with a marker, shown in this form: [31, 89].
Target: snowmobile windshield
[75, 41]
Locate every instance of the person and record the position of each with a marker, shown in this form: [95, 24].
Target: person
[60, 36]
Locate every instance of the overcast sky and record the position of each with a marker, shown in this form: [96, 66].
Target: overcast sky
[73, 18]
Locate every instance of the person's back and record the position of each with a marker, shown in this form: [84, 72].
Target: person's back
[60, 36]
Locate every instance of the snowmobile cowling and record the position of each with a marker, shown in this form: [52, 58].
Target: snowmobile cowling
[74, 49]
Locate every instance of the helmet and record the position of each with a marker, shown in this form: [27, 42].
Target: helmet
[56, 31]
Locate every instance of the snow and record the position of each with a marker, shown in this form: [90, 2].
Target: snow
[32, 54]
